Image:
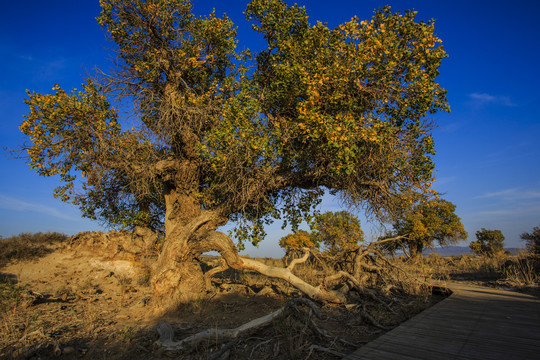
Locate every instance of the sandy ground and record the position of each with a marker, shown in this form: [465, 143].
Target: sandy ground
[82, 304]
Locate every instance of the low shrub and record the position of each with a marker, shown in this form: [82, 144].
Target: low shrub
[26, 246]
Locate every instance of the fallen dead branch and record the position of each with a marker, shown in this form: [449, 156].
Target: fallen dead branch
[364, 263]
[166, 333]
[216, 240]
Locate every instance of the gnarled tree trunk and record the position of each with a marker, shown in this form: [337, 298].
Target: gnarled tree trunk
[190, 231]
[178, 276]
[415, 248]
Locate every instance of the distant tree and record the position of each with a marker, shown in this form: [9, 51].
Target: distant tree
[533, 240]
[222, 135]
[294, 243]
[337, 231]
[489, 242]
[428, 221]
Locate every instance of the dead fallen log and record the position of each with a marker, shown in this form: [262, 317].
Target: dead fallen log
[166, 332]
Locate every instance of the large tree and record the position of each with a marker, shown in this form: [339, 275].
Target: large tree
[337, 232]
[533, 240]
[427, 221]
[488, 242]
[295, 243]
[217, 136]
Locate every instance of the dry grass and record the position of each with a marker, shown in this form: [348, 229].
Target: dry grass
[521, 271]
[99, 315]
[524, 272]
[26, 246]
[10, 296]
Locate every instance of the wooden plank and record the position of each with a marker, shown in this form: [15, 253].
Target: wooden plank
[402, 353]
[499, 351]
[378, 354]
[485, 336]
[430, 344]
[473, 323]
[528, 330]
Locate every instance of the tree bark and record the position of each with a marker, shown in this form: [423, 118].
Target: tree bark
[190, 232]
[415, 249]
[178, 276]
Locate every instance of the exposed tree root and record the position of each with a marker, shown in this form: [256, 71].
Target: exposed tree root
[326, 350]
[366, 259]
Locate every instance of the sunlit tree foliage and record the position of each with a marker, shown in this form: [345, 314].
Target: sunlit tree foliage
[428, 221]
[295, 243]
[489, 242]
[220, 135]
[337, 231]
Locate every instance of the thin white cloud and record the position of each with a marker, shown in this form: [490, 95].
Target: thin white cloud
[483, 98]
[452, 127]
[531, 195]
[510, 214]
[497, 213]
[498, 194]
[511, 194]
[13, 204]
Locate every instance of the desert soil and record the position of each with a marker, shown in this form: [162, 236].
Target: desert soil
[81, 304]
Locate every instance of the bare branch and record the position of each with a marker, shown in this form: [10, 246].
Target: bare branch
[220, 242]
[166, 333]
[301, 260]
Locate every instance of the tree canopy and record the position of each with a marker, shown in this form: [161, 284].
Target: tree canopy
[295, 243]
[337, 231]
[341, 108]
[334, 232]
[488, 242]
[428, 221]
[223, 135]
[533, 240]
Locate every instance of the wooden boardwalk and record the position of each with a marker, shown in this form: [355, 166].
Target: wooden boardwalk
[473, 323]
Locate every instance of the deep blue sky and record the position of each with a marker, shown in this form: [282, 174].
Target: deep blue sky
[488, 154]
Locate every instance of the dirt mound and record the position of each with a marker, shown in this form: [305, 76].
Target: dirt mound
[116, 244]
[90, 297]
[68, 300]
